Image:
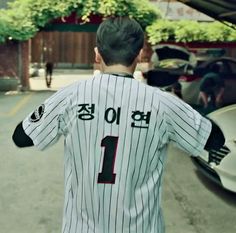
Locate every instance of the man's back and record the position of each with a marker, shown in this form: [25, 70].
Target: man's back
[116, 137]
[114, 169]
[116, 133]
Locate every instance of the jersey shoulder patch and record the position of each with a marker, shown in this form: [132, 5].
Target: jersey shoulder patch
[37, 114]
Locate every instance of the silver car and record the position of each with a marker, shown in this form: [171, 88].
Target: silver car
[220, 166]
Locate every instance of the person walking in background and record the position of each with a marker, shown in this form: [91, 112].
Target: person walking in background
[212, 88]
[48, 73]
[117, 130]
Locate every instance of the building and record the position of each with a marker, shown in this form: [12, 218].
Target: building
[70, 45]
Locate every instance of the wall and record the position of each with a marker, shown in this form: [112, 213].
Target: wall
[68, 49]
[9, 59]
[14, 62]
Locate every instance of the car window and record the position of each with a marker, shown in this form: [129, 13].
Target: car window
[172, 63]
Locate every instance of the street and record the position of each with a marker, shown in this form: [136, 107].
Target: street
[31, 183]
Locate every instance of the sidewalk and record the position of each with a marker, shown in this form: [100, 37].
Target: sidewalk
[60, 79]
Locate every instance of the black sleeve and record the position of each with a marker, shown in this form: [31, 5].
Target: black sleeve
[20, 138]
[216, 139]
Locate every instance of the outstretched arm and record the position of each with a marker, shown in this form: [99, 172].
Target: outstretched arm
[216, 139]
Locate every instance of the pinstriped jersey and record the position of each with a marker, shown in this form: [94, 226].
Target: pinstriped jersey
[116, 131]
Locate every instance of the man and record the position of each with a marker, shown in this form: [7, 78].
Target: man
[116, 133]
[48, 73]
[212, 88]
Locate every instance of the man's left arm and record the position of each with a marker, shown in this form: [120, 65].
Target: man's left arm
[216, 138]
[190, 130]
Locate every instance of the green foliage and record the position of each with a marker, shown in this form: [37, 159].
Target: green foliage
[161, 30]
[3, 27]
[219, 32]
[187, 31]
[24, 18]
[14, 23]
[144, 13]
[141, 10]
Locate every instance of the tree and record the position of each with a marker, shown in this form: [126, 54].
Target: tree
[15, 23]
[188, 31]
[23, 18]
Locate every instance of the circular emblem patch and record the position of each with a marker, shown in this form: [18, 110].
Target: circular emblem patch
[37, 114]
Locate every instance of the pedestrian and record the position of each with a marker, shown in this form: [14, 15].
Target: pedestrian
[212, 88]
[116, 131]
[48, 73]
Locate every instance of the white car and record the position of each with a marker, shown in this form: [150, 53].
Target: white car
[220, 166]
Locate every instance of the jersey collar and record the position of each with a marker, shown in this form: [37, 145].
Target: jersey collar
[124, 75]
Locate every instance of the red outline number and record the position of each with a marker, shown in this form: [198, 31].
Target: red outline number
[107, 176]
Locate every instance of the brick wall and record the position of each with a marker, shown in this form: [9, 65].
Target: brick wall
[14, 61]
[9, 59]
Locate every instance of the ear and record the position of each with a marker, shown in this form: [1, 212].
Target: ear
[140, 55]
[98, 57]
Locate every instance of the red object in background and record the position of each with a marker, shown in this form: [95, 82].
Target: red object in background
[74, 19]
[189, 78]
[192, 46]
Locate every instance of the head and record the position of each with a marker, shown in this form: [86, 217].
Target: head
[119, 41]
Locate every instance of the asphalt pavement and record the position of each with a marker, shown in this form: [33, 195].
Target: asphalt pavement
[31, 182]
[60, 79]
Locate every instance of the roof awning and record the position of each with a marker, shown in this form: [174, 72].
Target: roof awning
[222, 10]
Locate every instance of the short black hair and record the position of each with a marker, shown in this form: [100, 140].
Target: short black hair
[119, 40]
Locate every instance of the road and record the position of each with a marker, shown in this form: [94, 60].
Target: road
[31, 184]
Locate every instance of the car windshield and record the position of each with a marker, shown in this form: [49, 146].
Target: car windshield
[172, 63]
[172, 57]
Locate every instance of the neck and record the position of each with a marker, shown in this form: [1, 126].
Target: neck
[119, 69]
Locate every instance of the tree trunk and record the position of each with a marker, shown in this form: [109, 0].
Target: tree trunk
[24, 60]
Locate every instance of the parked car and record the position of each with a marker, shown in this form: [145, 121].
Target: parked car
[173, 64]
[168, 56]
[168, 63]
[220, 165]
[191, 82]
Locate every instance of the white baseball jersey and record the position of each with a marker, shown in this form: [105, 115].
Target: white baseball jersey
[116, 132]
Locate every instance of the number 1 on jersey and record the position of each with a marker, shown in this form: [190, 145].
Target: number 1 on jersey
[107, 176]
